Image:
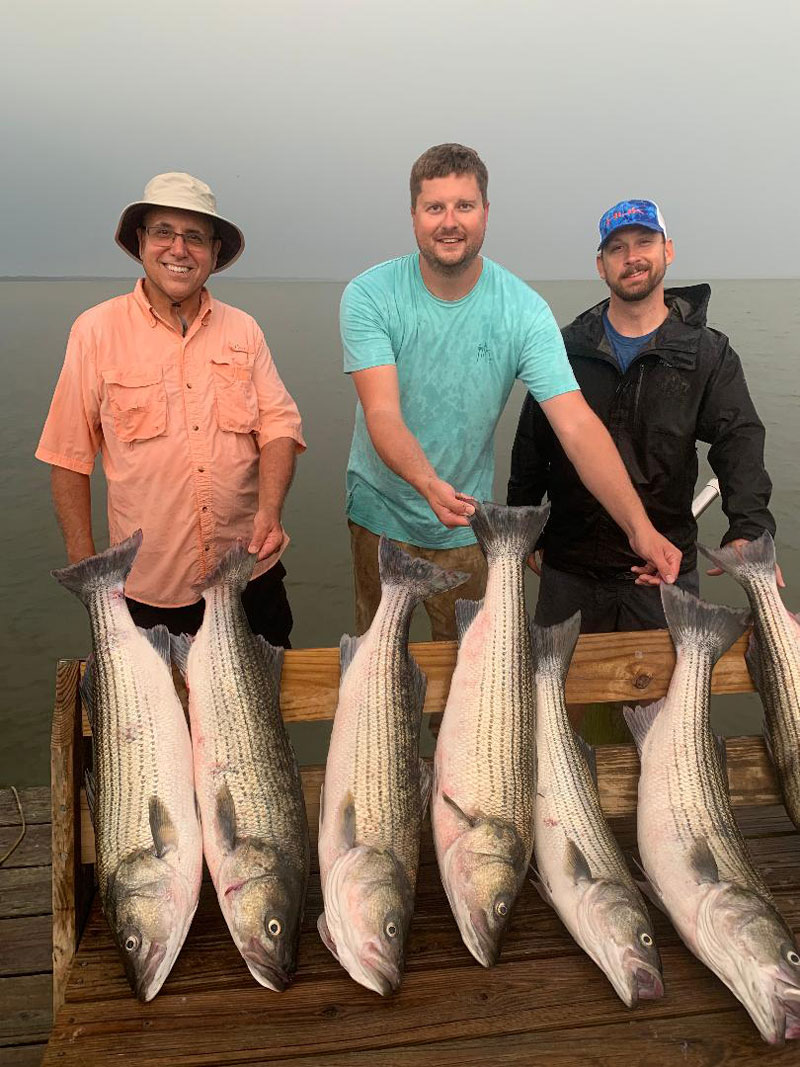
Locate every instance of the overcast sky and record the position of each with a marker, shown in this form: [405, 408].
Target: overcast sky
[305, 117]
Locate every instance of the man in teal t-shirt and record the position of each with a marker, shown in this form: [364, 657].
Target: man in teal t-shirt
[434, 342]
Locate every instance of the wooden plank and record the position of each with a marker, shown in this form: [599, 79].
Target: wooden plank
[65, 772]
[625, 667]
[26, 1009]
[32, 851]
[25, 945]
[22, 1055]
[25, 891]
[323, 1017]
[35, 804]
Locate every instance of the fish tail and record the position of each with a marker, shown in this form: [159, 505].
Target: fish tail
[693, 622]
[234, 569]
[553, 646]
[107, 570]
[508, 531]
[423, 578]
[742, 561]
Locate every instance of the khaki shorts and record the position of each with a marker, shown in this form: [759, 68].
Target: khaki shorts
[441, 608]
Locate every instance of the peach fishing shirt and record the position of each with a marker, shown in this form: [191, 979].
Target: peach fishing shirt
[179, 422]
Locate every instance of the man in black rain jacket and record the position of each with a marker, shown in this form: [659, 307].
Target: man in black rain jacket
[661, 380]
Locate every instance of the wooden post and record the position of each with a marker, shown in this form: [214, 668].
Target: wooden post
[65, 772]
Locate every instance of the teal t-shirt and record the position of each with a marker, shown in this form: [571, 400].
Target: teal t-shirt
[456, 363]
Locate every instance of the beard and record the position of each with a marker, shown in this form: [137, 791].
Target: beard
[451, 268]
[643, 288]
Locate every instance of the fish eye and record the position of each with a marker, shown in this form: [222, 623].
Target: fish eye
[646, 939]
[793, 957]
[391, 928]
[501, 909]
[132, 942]
[274, 927]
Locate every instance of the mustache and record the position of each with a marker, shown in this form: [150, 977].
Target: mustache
[635, 269]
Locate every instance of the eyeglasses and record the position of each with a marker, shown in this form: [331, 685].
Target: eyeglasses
[165, 235]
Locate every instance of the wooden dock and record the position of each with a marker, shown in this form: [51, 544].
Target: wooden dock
[26, 965]
[544, 1003]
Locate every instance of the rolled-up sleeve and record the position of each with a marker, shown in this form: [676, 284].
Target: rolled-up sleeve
[72, 433]
[277, 411]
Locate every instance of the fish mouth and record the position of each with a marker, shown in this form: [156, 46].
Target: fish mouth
[646, 982]
[265, 968]
[148, 978]
[378, 980]
[789, 1000]
[479, 939]
[377, 972]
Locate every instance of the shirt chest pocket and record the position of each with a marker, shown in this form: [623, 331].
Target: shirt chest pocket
[235, 393]
[137, 400]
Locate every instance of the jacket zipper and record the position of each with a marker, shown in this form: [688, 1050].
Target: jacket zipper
[636, 397]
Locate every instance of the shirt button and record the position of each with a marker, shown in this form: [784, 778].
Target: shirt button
[206, 547]
[204, 508]
[188, 385]
[200, 470]
[195, 427]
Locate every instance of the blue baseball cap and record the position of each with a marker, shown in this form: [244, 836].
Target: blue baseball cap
[631, 213]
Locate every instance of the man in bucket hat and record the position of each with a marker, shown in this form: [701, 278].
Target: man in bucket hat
[661, 380]
[197, 433]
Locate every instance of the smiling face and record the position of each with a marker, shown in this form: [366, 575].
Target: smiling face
[449, 219]
[633, 262]
[177, 271]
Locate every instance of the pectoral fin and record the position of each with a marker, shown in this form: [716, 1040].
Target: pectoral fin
[347, 821]
[702, 862]
[576, 864]
[325, 935]
[468, 819]
[165, 834]
[226, 817]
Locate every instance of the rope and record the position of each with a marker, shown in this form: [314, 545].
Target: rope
[13, 848]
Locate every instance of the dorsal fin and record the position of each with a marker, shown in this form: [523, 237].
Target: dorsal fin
[86, 689]
[180, 648]
[272, 656]
[640, 719]
[466, 612]
[158, 637]
[589, 754]
[348, 646]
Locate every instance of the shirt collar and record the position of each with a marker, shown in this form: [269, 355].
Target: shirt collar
[140, 299]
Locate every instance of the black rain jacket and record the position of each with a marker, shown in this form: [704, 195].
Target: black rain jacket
[686, 385]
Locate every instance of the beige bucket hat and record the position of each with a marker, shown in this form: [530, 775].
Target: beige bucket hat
[178, 190]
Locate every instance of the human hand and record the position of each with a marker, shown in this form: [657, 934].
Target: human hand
[450, 507]
[738, 542]
[268, 533]
[663, 559]
[535, 560]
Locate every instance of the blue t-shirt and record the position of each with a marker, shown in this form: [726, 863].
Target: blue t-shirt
[456, 363]
[626, 349]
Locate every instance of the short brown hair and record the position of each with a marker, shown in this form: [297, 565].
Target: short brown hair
[445, 159]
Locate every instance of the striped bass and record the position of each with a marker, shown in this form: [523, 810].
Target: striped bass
[580, 866]
[484, 768]
[147, 834]
[376, 787]
[692, 850]
[773, 657]
[255, 833]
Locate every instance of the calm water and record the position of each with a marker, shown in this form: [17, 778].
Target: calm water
[42, 622]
